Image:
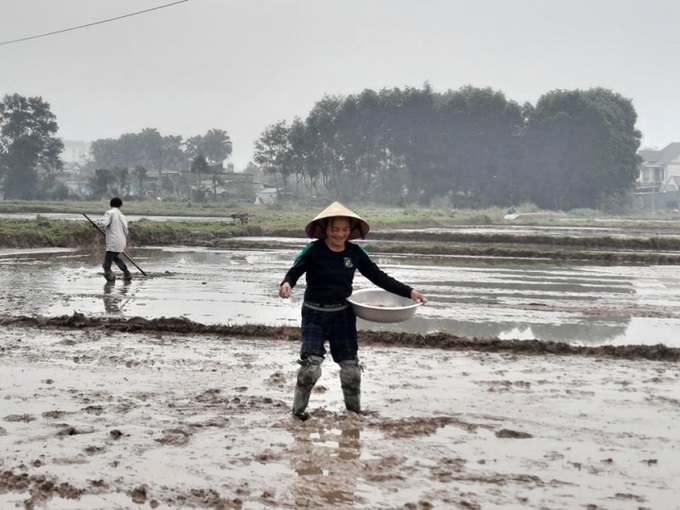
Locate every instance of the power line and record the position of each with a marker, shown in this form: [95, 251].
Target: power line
[92, 24]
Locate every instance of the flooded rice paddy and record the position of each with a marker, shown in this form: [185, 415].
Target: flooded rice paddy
[100, 418]
[510, 299]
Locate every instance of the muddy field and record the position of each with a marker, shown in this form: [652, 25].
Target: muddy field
[521, 384]
[97, 419]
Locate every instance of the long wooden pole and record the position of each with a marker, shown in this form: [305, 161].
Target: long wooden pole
[123, 253]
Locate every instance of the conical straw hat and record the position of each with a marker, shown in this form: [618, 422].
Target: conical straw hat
[316, 229]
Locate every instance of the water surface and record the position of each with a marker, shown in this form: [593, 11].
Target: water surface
[580, 304]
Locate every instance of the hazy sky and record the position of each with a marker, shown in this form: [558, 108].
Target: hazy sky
[243, 65]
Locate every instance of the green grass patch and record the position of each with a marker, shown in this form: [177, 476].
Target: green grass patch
[290, 218]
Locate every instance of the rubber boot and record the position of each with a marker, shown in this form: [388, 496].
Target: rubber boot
[350, 380]
[127, 276]
[308, 374]
[110, 277]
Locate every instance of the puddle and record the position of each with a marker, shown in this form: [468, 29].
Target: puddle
[580, 305]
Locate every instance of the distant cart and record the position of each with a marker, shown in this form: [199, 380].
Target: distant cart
[242, 215]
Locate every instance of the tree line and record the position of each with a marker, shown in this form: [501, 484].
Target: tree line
[30, 155]
[470, 147]
[117, 164]
[29, 149]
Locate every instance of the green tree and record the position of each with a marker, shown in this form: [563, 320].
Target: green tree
[215, 146]
[192, 147]
[323, 146]
[110, 152]
[300, 149]
[28, 146]
[361, 134]
[122, 175]
[581, 148]
[102, 183]
[148, 149]
[481, 146]
[273, 151]
[51, 189]
[199, 166]
[473, 146]
[140, 174]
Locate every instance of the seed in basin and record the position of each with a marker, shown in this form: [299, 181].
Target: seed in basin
[378, 305]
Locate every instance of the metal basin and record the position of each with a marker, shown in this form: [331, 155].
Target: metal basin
[378, 305]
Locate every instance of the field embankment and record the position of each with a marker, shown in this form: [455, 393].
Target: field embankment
[439, 340]
[434, 231]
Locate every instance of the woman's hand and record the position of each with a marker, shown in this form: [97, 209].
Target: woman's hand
[285, 290]
[418, 297]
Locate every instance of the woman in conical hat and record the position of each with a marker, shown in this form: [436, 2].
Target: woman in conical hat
[316, 229]
[330, 263]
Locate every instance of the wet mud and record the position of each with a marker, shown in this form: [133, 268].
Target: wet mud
[97, 418]
[439, 340]
[521, 384]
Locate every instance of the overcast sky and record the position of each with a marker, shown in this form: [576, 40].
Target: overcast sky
[243, 65]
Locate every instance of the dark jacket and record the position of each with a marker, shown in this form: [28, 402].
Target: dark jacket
[330, 274]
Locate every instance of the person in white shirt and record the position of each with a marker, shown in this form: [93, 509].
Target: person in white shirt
[116, 229]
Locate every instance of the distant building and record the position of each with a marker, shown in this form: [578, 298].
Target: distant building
[75, 151]
[75, 184]
[266, 196]
[658, 183]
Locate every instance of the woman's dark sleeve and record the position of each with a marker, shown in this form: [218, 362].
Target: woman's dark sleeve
[370, 270]
[299, 267]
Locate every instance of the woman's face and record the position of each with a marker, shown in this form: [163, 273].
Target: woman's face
[337, 232]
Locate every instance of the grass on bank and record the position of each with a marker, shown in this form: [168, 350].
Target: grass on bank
[635, 248]
[294, 215]
[49, 232]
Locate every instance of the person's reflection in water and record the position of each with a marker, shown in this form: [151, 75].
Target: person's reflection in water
[112, 299]
[327, 475]
[349, 446]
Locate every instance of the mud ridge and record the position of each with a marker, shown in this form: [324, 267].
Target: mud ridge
[639, 250]
[444, 341]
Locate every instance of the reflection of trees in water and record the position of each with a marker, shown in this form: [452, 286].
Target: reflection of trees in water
[588, 330]
[589, 334]
[579, 288]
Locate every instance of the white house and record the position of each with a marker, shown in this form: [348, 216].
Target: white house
[658, 185]
[266, 196]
